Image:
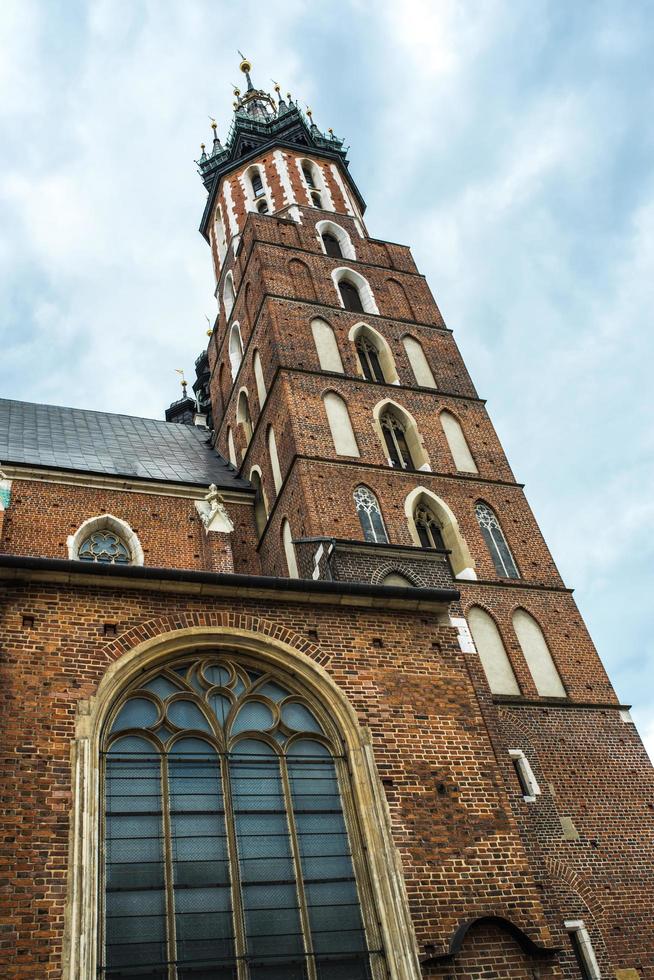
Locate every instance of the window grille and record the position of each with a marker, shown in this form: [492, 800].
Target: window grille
[332, 245]
[308, 176]
[226, 848]
[369, 360]
[257, 185]
[496, 542]
[370, 515]
[396, 443]
[428, 528]
[104, 547]
[350, 296]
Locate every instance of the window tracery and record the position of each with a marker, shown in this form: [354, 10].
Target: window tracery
[496, 542]
[394, 432]
[105, 547]
[225, 837]
[370, 515]
[428, 528]
[369, 359]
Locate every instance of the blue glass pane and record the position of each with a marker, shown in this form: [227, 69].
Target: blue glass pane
[221, 707]
[186, 714]
[135, 927]
[202, 895]
[273, 691]
[252, 717]
[105, 547]
[299, 718]
[161, 686]
[217, 675]
[135, 713]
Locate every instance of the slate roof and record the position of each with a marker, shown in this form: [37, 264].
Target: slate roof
[117, 445]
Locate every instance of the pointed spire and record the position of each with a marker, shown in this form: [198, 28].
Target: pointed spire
[246, 68]
[313, 127]
[281, 105]
[203, 155]
[217, 145]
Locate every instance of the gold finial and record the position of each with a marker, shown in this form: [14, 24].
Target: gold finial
[237, 92]
[214, 125]
[288, 96]
[245, 65]
[209, 333]
[330, 131]
[278, 90]
[309, 112]
[202, 146]
[235, 104]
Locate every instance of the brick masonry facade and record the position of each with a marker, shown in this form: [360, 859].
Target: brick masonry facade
[490, 878]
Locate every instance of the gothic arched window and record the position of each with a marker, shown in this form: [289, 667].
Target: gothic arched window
[257, 184]
[308, 175]
[350, 296]
[226, 844]
[235, 349]
[106, 547]
[394, 432]
[332, 245]
[369, 359]
[370, 515]
[262, 206]
[428, 528]
[496, 542]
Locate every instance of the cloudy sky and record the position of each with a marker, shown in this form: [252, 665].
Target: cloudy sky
[509, 142]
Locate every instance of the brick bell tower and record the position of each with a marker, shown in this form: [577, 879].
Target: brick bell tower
[338, 391]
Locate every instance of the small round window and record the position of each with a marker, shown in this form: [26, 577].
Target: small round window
[105, 547]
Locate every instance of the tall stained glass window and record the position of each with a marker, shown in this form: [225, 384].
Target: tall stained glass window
[227, 854]
[496, 542]
[370, 515]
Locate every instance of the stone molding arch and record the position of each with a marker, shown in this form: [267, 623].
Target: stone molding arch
[343, 273]
[106, 522]
[576, 882]
[414, 439]
[386, 358]
[380, 574]
[341, 236]
[463, 564]
[142, 647]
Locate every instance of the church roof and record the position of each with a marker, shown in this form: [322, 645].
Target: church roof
[116, 445]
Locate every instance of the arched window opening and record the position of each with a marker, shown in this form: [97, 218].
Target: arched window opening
[228, 295]
[492, 653]
[258, 377]
[496, 542]
[105, 547]
[308, 176]
[418, 361]
[332, 245]
[370, 515]
[316, 199]
[335, 241]
[350, 297]
[260, 505]
[428, 528]
[395, 437]
[262, 206]
[289, 550]
[302, 279]
[235, 349]
[369, 359]
[257, 184]
[231, 448]
[401, 305]
[243, 416]
[329, 356]
[340, 425]
[227, 843]
[274, 459]
[460, 559]
[537, 654]
[457, 443]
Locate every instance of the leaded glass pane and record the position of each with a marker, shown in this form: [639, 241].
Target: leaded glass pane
[105, 547]
[370, 515]
[211, 834]
[496, 542]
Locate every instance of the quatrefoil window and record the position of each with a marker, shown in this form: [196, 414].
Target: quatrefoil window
[105, 547]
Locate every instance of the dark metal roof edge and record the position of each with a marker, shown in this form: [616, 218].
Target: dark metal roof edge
[145, 573]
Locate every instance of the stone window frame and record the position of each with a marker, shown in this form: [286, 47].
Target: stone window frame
[360, 283]
[415, 442]
[528, 780]
[369, 806]
[340, 234]
[583, 947]
[461, 560]
[383, 348]
[106, 522]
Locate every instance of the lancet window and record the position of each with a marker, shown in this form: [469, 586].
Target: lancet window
[370, 515]
[332, 245]
[226, 844]
[396, 443]
[428, 528]
[369, 359]
[350, 296]
[496, 542]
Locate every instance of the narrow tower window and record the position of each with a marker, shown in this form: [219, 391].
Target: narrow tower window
[228, 295]
[308, 176]
[243, 417]
[235, 349]
[369, 359]
[332, 246]
[418, 361]
[257, 184]
[370, 515]
[274, 459]
[428, 528]
[457, 444]
[396, 442]
[329, 357]
[289, 550]
[340, 425]
[496, 542]
[350, 296]
[537, 654]
[260, 509]
[492, 653]
[258, 377]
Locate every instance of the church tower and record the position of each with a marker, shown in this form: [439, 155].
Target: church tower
[339, 392]
[290, 685]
